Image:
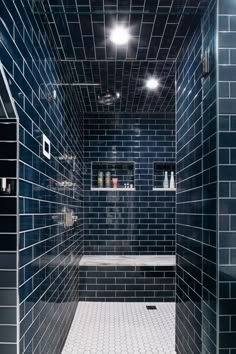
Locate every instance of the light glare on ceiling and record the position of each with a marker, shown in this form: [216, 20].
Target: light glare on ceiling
[152, 84]
[120, 35]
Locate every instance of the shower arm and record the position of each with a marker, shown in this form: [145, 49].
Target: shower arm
[76, 84]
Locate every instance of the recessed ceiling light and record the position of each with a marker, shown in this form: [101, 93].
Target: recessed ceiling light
[152, 84]
[120, 35]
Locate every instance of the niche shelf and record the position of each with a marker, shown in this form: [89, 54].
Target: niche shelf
[159, 169]
[124, 171]
[113, 189]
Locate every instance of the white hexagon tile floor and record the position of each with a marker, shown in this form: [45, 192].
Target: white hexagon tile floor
[112, 328]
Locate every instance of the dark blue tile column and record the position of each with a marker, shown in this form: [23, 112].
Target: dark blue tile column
[8, 238]
[196, 314]
[227, 175]
[206, 282]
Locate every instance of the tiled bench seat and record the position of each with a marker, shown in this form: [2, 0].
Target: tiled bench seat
[127, 278]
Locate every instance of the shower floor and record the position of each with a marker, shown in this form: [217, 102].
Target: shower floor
[112, 328]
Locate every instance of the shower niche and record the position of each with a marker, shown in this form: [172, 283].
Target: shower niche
[112, 176]
[164, 178]
[7, 186]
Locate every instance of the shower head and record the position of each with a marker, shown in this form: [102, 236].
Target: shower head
[109, 98]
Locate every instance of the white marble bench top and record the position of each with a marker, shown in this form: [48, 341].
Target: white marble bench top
[101, 260]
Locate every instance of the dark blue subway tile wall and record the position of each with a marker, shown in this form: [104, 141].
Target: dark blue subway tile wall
[49, 251]
[209, 188]
[8, 239]
[134, 222]
[127, 283]
[227, 176]
[196, 278]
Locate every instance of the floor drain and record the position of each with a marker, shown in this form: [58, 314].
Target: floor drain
[149, 307]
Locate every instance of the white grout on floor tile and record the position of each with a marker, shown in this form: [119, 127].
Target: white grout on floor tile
[112, 328]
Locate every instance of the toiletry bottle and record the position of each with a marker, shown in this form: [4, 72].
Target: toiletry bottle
[100, 179]
[108, 179]
[172, 180]
[115, 182]
[9, 188]
[3, 184]
[166, 182]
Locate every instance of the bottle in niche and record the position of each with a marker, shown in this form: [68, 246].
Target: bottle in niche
[172, 180]
[115, 182]
[108, 179]
[9, 188]
[100, 179]
[4, 185]
[166, 182]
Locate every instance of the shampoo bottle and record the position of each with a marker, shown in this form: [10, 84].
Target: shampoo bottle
[108, 179]
[165, 182]
[100, 179]
[172, 180]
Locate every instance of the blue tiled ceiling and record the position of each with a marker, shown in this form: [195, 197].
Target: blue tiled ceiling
[79, 33]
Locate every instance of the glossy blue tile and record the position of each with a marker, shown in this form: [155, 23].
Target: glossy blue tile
[42, 232]
[227, 7]
[143, 139]
[197, 192]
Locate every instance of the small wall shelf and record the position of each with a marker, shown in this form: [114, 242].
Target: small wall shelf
[164, 189]
[113, 189]
[159, 169]
[123, 171]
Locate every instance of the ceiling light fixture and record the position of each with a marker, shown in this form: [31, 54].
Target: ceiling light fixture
[152, 84]
[120, 35]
